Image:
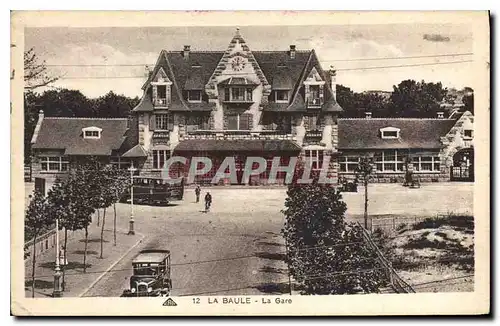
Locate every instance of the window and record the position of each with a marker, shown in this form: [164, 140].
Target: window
[311, 122]
[314, 158]
[119, 163]
[389, 133]
[315, 95]
[194, 96]
[426, 163]
[389, 161]
[159, 158]
[281, 96]
[54, 163]
[348, 163]
[468, 134]
[197, 122]
[161, 94]
[163, 122]
[92, 132]
[238, 94]
[282, 124]
[239, 121]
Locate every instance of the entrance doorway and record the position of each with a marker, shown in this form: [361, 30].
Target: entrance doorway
[463, 165]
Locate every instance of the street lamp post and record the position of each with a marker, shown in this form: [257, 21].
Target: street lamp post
[57, 270]
[131, 223]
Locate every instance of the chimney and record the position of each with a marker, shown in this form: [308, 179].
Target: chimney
[292, 51]
[368, 115]
[333, 81]
[440, 115]
[187, 48]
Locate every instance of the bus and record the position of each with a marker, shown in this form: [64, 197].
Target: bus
[153, 191]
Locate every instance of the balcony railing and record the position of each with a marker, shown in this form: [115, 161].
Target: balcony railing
[161, 134]
[314, 103]
[211, 132]
[160, 102]
[314, 134]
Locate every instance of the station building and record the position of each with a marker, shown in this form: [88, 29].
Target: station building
[240, 103]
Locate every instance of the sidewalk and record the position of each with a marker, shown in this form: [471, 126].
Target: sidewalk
[77, 282]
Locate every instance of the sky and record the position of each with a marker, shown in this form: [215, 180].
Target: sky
[132, 48]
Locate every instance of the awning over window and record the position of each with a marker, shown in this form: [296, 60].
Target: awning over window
[239, 81]
[243, 145]
[136, 151]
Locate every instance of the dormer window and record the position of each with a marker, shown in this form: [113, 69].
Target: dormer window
[281, 96]
[194, 96]
[92, 133]
[389, 133]
[238, 94]
[314, 89]
[161, 86]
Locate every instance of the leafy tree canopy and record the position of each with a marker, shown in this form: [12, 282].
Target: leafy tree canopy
[325, 254]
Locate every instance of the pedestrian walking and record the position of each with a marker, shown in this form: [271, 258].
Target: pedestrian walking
[208, 202]
[197, 191]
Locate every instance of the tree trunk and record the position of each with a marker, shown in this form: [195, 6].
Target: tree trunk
[98, 217]
[366, 203]
[102, 229]
[114, 225]
[64, 259]
[33, 270]
[85, 250]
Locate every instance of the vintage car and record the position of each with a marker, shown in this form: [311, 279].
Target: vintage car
[153, 191]
[151, 276]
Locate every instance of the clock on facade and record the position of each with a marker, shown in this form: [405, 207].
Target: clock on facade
[238, 63]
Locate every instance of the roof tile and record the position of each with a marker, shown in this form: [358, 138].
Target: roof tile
[414, 133]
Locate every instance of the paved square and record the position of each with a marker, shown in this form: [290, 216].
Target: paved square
[237, 249]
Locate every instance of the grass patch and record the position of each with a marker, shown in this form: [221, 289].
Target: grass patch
[464, 222]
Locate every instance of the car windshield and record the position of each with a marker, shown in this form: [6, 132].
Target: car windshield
[146, 269]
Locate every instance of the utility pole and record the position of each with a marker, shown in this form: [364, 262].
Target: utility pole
[131, 223]
[57, 270]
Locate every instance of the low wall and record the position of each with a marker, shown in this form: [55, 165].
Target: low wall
[400, 177]
[45, 242]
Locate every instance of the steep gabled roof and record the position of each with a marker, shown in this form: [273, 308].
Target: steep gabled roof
[414, 133]
[274, 69]
[66, 134]
[191, 73]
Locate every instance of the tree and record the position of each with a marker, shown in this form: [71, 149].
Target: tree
[37, 218]
[416, 100]
[30, 120]
[112, 105]
[121, 182]
[35, 72]
[325, 254]
[108, 196]
[65, 103]
[363, 172]
[356, 104]
[468, 99]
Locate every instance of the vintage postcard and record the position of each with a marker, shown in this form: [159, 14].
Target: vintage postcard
[250, 163]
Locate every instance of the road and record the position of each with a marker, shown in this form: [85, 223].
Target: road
[236, 248]
[219, 253]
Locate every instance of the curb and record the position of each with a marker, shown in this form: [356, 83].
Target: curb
[112, 266]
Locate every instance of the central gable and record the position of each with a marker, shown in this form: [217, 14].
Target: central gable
[237, 61]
